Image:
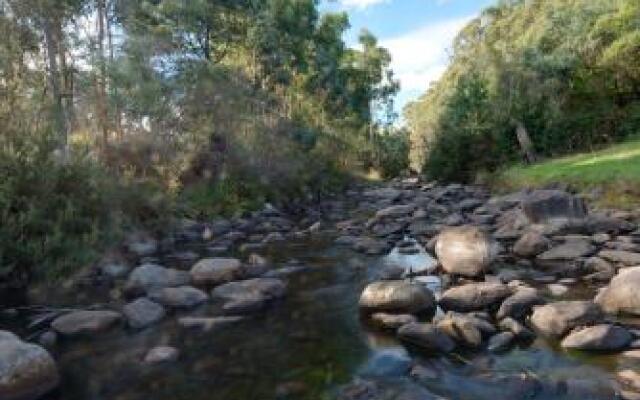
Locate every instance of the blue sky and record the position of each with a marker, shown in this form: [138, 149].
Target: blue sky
[418, 33]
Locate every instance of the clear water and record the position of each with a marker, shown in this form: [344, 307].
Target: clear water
[304, 346]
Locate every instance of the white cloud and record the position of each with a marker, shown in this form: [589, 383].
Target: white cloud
[361, 4]
[420, 57]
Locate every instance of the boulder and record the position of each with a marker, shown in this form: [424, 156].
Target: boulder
[179, 297]
[27, 371]
[142, 313]
[216, 271]
[531, 244]
[150, 277]
[397, 297]
[474, 296]
[622, 294]
[427, 337]
[519, 304]
[519, 331]
[85, 322]
[603, 337]
[465, 250]
[556, 319]
[543, 205]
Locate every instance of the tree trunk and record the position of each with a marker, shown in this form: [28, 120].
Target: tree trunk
[102, 81]
[525, 142]
[118, 117]
[54, 82]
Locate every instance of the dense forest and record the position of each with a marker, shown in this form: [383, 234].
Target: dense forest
[117, 113]
[544, 76]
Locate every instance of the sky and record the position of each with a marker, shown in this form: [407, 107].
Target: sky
[418, 34]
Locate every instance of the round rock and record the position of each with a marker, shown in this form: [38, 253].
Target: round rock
[465, 250]
[400, 297]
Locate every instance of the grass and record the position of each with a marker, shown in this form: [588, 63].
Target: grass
[614, 171]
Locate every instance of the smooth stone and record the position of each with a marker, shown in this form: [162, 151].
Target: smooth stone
[461, 329]
[465, 250]
[149, 277]
[216, 271]
[27, 371]
[556, 319]
[397, 297]
[622, 294]
[557, 289]
[142, 313]
[258, 289]
[179, 297]
[474, 296]
[85, 322]
[598, 337]
[567, 251]
[519, 304]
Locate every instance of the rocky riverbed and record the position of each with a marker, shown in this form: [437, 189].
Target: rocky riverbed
[407, 290]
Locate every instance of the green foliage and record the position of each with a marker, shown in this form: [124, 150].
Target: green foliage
[565, 70]
[392, 152]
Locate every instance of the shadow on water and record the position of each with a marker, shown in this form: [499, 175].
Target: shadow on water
[302, 348]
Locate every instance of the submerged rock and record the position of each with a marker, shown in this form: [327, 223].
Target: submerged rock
[392, 321]
[27, 371]
[397, 297]
[500, 342]
[465, 250]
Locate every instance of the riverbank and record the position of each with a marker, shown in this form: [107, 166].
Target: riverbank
[360, 296]
[611, 175]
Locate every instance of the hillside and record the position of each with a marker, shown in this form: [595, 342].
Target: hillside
[567, 73]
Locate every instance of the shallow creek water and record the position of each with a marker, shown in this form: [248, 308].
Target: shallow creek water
[303, 347]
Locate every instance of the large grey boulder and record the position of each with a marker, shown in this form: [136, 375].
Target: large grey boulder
[179, 297]
[142, 313]
[474, 296]
[556, 319]
[465, 250]
[622, 295]
[85, 322]
[603, 337]
[150, 277]
[216, 271]
[426, 336]
[27, 371]
[397, 297]
[541, 206]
